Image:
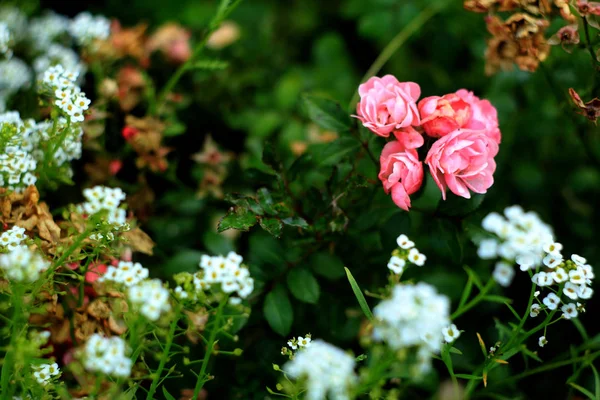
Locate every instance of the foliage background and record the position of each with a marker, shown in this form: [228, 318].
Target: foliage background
[296, 46]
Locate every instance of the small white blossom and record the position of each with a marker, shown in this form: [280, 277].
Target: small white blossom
[551, 301]
[45, 372]
[577, 276]
[578, 260]
[552, 260]
[396, 264]
[227, 272]
[571, 291]
[542, 279]
[585, 292]
[503, 273]
[23, 265]
[560, 275]
[107, 356]
[404, 242]
[451, 333]
[86, 28]
[553, 248]
[150, 297]
[569, 311]
[126, 272]
[534, 311]
[542, 341]
[416, 258]
[488, 249]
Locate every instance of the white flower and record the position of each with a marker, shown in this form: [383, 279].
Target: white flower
[228, 272]
[23, 265]
[503, 273]
[571, 291]
[552, 260]
[551, 301]
[396, 264]
[86, 28]
[107, 356]
[5, 40]
[126, 272]
[526, 261]
[569, 311]
[578, 260]
[416, 258]
[585, 292]
[553, 248]
[542, 341]
[292, 345]
[577, 276]
[488, 249]
[493, 222]
[150, 297]
[560, 275]
[404, 242]
[329, 372]
[534, 311]
[536, 293]
[451, 333]
[304, 342]
[542, 279]
[588, 271]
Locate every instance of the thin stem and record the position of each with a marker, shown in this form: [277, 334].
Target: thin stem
[589, 46]
[523, 319]
[414, 25]
[476, 300]
[165, 355]
[9, 360]
[209, 348]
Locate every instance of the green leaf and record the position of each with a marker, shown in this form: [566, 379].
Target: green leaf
[244, 202]
[211, 65]
[446, 241]
[327, 265]
[237, 218]
[455, 351]
[456, 206]
[298, 222]
[278, 310]
[272, 225]
[217, 243]
[174, 129]
[167, 395]
[596, 381]
[265, 200]
[359, 296]
[329, 154]
[466, 293]
[467, 376]
[303, 285]
[326, 113]
[583, 390]
[270, 156]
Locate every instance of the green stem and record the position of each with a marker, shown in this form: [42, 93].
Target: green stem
[209, 348]
[16, 327]
[165, 355]
[476, 300]
[70, 250]
[523, 319]
[413, 26]
[589, 46]
[223, 11]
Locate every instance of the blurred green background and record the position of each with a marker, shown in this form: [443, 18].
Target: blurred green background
[288, 47]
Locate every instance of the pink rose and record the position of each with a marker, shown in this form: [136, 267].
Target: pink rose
[442, 115]
[387, 105]
[483, 115]
[410, 138]
[401, 172]
[463, 160]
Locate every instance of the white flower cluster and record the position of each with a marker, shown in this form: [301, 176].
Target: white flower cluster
[520, 236]
[227, 272]
[43, 30]
[126, 272]
[575, 276]
[12, 238]
[5, 41]
[36, 134]
[86, 28]
[151, 297]
[328, 370]
[17, 166]
[45, 372]
[67, 95]
[407, 252]
[101, 198]
[22, 264]
[15, 20]
[56, 54]
[415, 316]
[107, 356]
[296, 344]
[14, 76]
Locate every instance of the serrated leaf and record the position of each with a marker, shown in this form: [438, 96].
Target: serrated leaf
[303, 285]
[329, 154]
[326, 113]
[359, 295]
[456, 206]
[298, 222]
[237, 218]
[277, 310]
[245, 202]
[272, 225]
[265, 200]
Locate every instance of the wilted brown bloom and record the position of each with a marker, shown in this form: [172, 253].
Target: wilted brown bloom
[586, 7]
[483, 6]
[124, 42]
[519, 39]
[25, 210]
[227, 34]
[566, 36]
[591, 109]
[131, 86]
[138, 241]
[173, 41]
[148, 142]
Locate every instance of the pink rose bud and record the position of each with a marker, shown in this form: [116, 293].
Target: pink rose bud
[463, 160]
[401, 172]
[483, 115]
[442, 115]
[387, 105]
[410, 138]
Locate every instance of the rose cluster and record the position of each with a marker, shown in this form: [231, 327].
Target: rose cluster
[459, 130]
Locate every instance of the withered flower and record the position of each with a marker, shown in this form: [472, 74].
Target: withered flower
[147, 142]
[227, 34]
[173, 41]
[567, 36]
[124, 42]
[586, 7]
[519, 39]
[482, 6]
[131, 85]
[591, 109]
